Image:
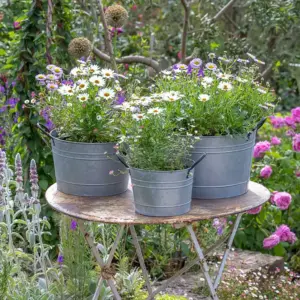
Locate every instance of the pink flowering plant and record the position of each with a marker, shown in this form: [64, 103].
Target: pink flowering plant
[221, 97]
[277, 166]
[80, 105]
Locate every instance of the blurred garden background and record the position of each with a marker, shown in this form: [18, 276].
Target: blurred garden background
[43, 255]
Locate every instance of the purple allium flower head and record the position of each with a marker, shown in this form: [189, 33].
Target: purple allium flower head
[266, 172]
[296, 114]
[196, 63]
[296, 142]
[275, 140]
[60, 259]
[283, 231]
[271, 241]
[2, 89]
[254, 211]
[277, 122]
[282, 200]
[73, 225]
[260, 148]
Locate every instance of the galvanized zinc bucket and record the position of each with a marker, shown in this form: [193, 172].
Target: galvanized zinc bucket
[162, 193]
[83, 169]
[225, 172]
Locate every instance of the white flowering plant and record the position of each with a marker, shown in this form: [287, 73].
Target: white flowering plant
[80, 106]
[149, 141]
[221, 97]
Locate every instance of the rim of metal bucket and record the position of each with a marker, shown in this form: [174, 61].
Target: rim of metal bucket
[51, 136]
[188, 170]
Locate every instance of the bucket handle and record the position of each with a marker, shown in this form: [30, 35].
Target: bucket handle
[122, 160]
[259, 124]
[44, 130]
[195, 164]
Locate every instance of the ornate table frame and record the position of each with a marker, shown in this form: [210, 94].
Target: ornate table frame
[120, 210]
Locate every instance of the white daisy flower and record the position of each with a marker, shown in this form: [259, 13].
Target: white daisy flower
[211, 66]
[208, 80]
[139, 117]
[69, 104]
[262, 91]
[52, 77]
[171, 96]
[239, 79]
[223, 59]
[107, 73]
[155, 111]
[166, 72]
[211, 55]
[66, 90]
[82, 85]
[83, 97]
[224, 75]
[203, 97]
[97, 98]
[124, 106]
[75, 72]
[93, 69]
[225, 86]
[182, 67]
[97, 80]
[98, 117]
[26, 101]
[107, 93]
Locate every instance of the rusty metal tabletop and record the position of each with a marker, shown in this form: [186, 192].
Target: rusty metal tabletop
[119, 209]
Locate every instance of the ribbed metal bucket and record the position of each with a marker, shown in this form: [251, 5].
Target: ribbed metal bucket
[225, 172]
[83, 168]
[161, 193]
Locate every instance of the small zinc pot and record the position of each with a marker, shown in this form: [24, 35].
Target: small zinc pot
[225, 172]
[162, 193]
[82, 169]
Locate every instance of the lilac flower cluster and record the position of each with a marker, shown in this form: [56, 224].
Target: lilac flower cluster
[282, 234]
[219, 224]
[45, 113]
[3, 134]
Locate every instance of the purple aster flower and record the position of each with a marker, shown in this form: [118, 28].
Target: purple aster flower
[196, 63]
[13, 84]
[12, 102]
[189, 70]
[121, 98]
[200, 73]
[73, 225]
[2, 89]
[40, 77]
[3, 108]
[49, 125]
[67, 82]
[60, 259]
[57, 71]
[52, 86]
[50, 67]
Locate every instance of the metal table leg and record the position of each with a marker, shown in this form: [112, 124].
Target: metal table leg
[103, 265]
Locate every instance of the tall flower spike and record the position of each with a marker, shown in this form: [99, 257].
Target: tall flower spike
[34, 180]
[116, 15]
[2, 165]
[80, 47]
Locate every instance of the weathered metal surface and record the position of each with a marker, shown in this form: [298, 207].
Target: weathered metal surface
[120, 208]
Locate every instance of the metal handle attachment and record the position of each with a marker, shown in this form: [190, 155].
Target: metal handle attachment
[45, 130]
[122, 160]
[195, 164]
[259, 124]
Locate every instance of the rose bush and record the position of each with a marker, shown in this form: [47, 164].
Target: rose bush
[275, 227]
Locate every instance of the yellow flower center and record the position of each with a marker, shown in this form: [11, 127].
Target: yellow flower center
[82, 85]
[107, 74]
[140, 117]
[97, 81]
[83, 98]
[155, 110]
[106, 94]
[56, 70]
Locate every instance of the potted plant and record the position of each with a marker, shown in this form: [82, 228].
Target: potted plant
[159, 159]
[79, 110]
[224, 104]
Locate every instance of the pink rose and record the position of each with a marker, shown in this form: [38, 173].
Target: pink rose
[292, 238]
[275, 140]
[17, 25]
[296, 142]
[260, 148]
[277, 122]
[296, 114]
[289, 121]
[290, 132]
[282, 200]
[283, 231]
[272, 197]
[271, 241]
[266, 172]
[297, 173]
[254, 211]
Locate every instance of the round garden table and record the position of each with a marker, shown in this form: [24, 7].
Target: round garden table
[119, 209]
